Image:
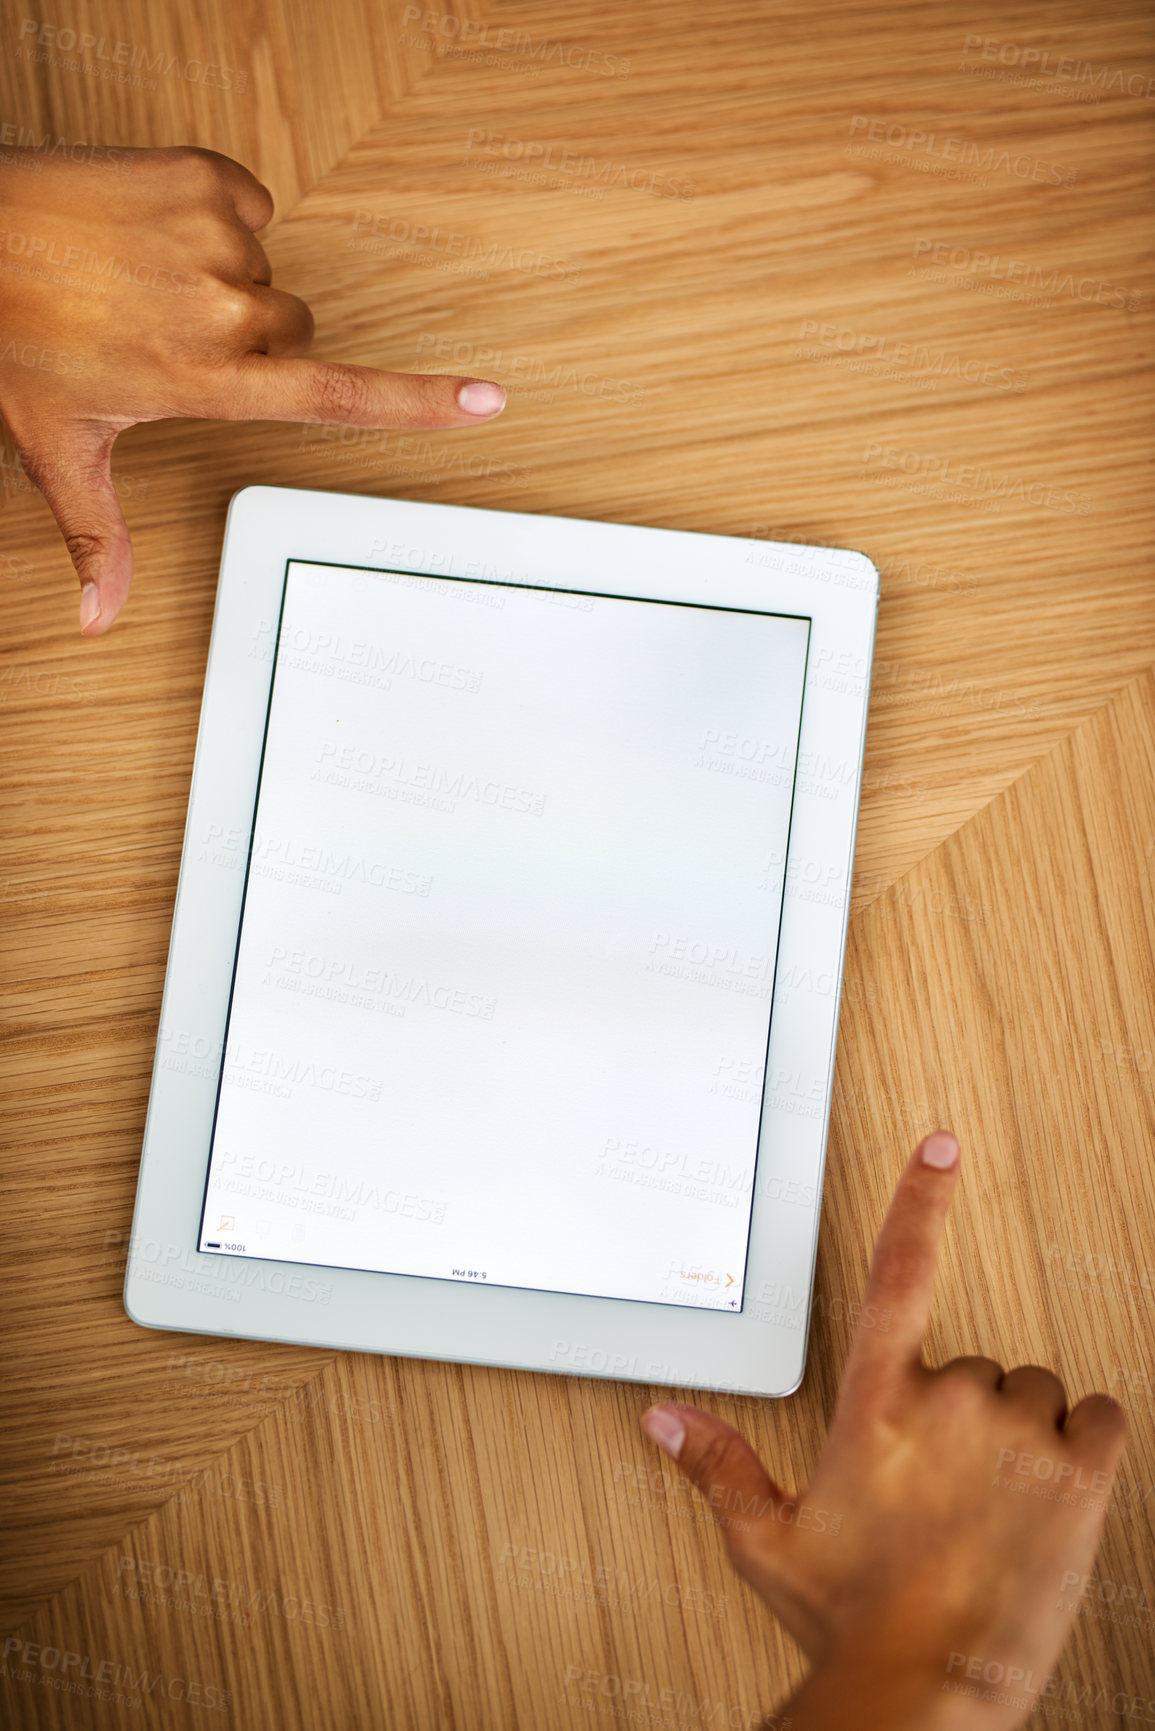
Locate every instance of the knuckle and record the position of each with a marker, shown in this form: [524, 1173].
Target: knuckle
[232, 309]
[201, 170]
[904, 1264]
[226, 250]
[1107, 1416]
[960, 1393]
[898, 1277]
[717, 1457]
[84, 545]
[307, 322]
[297, 320]
[339, 393]
[426, 395]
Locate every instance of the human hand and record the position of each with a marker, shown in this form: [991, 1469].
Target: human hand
[938, 1602]
[143, 294]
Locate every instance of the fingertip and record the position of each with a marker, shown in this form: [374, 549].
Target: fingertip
[481, 397]
[104, 585]
[663, 1426]
[89, 609]
[903, 1267]
[939, 1150]
[104, 621]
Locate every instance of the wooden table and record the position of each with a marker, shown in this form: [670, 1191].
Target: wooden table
[863, 275]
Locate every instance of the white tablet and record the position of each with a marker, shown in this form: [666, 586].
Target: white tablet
[503, 985]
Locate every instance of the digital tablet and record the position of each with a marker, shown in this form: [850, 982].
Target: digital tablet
[503, 986]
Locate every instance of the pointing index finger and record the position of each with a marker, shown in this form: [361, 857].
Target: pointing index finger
[900, 1286]
[269, 388]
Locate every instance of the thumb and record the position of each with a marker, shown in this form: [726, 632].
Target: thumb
[75, 476]
[724, 1468]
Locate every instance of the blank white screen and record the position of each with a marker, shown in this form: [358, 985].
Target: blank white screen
[510, 924]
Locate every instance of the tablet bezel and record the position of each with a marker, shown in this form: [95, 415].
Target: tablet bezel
[759, 1350]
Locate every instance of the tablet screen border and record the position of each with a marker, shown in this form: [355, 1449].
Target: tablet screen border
[759, 1350]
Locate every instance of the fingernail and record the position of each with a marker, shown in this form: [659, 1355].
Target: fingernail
[479, 397]
[664, 1428]
[940, 1150]
[89, 605]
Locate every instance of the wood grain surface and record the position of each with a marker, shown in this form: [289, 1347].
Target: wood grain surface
[837, 274]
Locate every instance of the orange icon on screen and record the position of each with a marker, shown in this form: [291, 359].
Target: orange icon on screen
[228, 1221]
